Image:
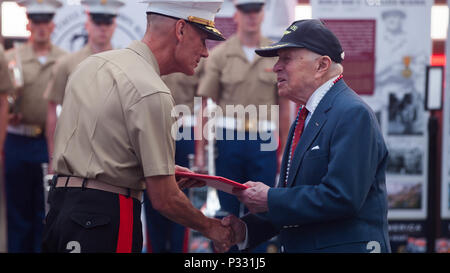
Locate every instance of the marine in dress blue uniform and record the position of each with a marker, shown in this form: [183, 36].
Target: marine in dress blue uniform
[25, 145]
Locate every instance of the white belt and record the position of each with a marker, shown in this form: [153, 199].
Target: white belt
[231, 124]
[25, 130]
[245, 125]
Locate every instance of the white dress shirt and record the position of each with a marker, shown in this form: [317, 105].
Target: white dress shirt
[316, 97]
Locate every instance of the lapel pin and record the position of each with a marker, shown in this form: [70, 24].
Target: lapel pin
[317, 124]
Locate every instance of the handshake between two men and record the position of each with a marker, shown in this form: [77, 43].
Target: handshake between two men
[254, 198]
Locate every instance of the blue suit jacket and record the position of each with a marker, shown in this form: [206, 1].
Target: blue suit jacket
[335, 199]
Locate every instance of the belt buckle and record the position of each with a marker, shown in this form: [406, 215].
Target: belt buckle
[33, 130]
[37, 131]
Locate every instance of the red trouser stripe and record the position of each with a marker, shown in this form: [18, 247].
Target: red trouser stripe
[186, 241]
[125, 239]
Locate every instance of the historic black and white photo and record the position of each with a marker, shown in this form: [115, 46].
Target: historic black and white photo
[405, 161]
[405, 114]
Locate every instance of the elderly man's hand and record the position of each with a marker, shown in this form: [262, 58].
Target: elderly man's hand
[255, 197]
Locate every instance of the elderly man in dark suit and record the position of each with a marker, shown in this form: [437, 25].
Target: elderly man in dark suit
[331, 196]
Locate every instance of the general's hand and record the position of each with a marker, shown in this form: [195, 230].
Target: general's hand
[222, 236]
[186, 183]
[182, 169]
[255, 197]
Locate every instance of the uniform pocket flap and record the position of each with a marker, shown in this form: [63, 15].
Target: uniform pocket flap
[90, 220]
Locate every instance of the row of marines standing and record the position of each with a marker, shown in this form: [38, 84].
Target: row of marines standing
[233, 74]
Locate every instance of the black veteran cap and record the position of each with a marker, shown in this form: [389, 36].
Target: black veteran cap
[310, 34]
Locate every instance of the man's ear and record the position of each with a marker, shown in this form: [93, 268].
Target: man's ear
[324, 64]
[180, 29]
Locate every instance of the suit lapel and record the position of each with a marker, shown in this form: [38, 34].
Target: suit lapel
[315, 125]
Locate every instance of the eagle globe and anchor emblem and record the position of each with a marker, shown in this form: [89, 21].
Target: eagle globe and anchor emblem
[70, 33]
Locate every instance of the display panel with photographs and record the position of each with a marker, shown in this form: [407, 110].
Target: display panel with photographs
[402, 53]
[406, 178]
[445, 179]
